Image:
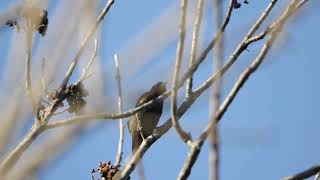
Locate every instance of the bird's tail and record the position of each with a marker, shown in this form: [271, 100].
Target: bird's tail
[136, 141]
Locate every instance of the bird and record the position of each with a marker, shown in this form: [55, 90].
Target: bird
[149, 117]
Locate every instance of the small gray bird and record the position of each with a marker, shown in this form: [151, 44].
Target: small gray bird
[149, 117]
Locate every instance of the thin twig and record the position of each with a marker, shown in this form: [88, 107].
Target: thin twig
[317, 176]
[186, 137]
[301, 3]
[61, 112]
[85, 71]
[121, 124]
[43, 76]
[215, 98]
[242, 46]
[305, 174]
[194, 44]
[83, 45]
[29, 38]
[211, 45]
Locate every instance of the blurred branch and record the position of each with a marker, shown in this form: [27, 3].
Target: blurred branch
[43, 77]
[186, 137]
[215, 97]
[194, 43]
[317, 176]
[305, 174]
[11, 159]
[83, 45]
[121, 124]
[45, 153]
[85, 71]
[29, 37]
[39, 126]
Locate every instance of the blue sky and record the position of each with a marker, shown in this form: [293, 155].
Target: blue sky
[270, 131]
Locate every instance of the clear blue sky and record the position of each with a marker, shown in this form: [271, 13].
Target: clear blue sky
[270, 131]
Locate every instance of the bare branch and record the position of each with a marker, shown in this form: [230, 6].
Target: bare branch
[43, 77]
[29, 37]
[305, 174]
[83, 45]
[194, 44]
[16, 153]
[85, 71]
[61, 112]
[121, 124]
[317, 176]
[46, 152]
[186, 137]
[204, 54]
[215, 97]
[241, 47]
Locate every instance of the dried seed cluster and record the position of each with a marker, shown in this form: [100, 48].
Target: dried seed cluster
[38, 17]
[75, 97]
[237, 5]
[107, 170]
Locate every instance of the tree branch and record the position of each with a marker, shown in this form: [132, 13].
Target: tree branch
[305, 174]
[186, 137]
[121, 124]
[194, 43]
[83, 45]
[215, 98]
